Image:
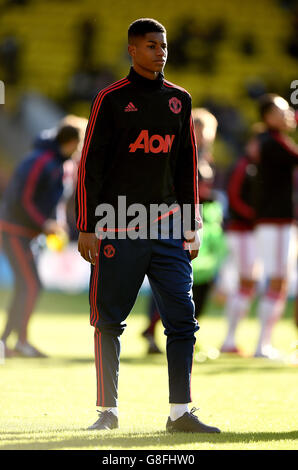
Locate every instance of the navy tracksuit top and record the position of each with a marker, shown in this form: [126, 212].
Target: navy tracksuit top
[35, 188]
[139, 143]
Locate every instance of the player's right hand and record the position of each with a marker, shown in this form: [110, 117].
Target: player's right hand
[193, 242]
[88, 246]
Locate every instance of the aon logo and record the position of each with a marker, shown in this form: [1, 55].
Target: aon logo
[154, 144]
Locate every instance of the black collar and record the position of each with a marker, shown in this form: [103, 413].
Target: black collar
[145, 83]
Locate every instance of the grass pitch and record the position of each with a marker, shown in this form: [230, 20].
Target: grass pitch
[48, 403]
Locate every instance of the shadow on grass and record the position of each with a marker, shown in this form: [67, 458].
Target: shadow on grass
[55, 303]
[134, 440]
[218, 366]
[222, 365]
[221, 369]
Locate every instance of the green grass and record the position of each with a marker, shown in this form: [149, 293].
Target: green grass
[47, 404]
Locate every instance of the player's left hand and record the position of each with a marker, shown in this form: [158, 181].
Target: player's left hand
[193, 240]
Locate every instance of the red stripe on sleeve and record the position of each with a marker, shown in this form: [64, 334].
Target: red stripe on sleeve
[195, 168]
[288, 144]
[88, 136]
[30, 186]
[82, 197]
[234, 191]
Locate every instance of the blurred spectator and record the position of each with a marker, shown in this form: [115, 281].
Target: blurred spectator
[89, 77]
[85, 85]
[70, 173]
[288, 4]
[179, 43]
[27, 210]
[86, 33]
[10, 59]
[231, 124]
[193, 45]
[231, 132]
[292, 44]
[255, 88]
[248, 45]
[12, 3]
[205, 129]
[213, 247]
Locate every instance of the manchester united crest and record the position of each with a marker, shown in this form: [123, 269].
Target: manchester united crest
[175, 105]
[109, 251]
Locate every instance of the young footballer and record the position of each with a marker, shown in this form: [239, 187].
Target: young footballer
[140, 144]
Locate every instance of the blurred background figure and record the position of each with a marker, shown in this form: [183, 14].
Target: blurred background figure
[10, 59]
[275, 232]
[70, 168]
[89, 75]
[27, 209]
[150, 333]
[213, 246]
[240, 238]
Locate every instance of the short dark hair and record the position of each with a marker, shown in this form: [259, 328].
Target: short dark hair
[67, 133]
[143, 26]
[266, 102]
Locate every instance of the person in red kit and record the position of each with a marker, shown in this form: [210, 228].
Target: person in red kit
[241, 240]
[275, 231]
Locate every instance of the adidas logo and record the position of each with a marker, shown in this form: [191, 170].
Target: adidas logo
[130, 107]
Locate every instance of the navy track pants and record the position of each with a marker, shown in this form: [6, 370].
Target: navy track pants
[114, 285]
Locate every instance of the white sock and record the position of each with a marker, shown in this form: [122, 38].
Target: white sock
[270, 310]
[177, 410]
[237, 307]
[114, 410]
